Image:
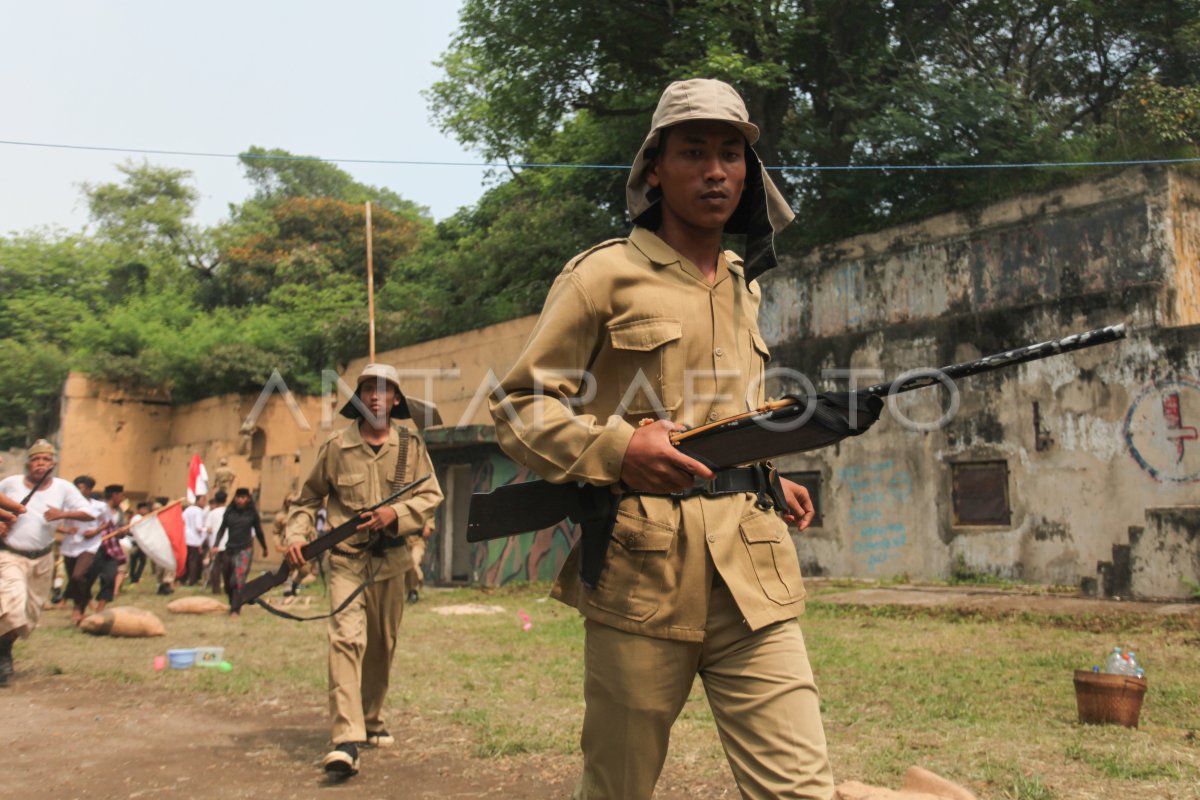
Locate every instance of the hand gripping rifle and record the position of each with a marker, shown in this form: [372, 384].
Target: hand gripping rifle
[794, 424]
[256, 588]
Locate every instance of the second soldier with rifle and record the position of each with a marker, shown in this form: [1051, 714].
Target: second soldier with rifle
[356, 468]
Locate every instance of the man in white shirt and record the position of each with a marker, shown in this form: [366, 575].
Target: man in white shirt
[79, 547]
[193, 537]
[212, 524]
[26, 545]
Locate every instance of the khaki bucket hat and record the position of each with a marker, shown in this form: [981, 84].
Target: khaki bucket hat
[763, 211]
[424, 413]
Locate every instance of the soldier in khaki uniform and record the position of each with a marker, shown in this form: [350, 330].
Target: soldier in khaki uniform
[223, 478]
[357, 467]
[663, 324]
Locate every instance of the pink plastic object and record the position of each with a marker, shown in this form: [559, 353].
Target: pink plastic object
[160, 663]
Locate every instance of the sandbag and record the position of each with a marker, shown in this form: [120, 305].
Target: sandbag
[126, 621]
[198, 604]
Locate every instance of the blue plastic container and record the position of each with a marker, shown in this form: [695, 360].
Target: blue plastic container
[181, 659]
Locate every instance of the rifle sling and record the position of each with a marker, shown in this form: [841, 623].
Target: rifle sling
[362, 587]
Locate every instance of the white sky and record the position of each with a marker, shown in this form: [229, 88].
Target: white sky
[315, 78]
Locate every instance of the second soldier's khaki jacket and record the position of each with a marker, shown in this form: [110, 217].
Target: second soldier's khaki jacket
[632, 330]
[349, 476]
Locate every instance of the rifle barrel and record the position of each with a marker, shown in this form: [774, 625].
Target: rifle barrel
[920, 378]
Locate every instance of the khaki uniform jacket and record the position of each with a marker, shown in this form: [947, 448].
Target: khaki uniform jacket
[349, 476]
[631, 329]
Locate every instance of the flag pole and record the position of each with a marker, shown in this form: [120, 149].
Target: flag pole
[370, 287]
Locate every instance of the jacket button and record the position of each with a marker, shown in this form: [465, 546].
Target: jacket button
[718, 352]
[713, 416]
[712, 538]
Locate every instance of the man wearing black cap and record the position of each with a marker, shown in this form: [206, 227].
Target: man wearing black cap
[699, 578]
[233, 541]
[358, 467]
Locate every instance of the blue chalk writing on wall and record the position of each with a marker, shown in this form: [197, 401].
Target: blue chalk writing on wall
[847, 284]
[877, 494]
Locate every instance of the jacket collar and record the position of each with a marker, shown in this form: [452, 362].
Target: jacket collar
[662, 254]
[353, 437]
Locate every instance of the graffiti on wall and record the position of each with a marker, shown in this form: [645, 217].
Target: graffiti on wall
[1162, 433]
[848, 289]
[538, 555]
[878, 492]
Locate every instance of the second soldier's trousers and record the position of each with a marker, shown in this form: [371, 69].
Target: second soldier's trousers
[362, 640]
[760, 688]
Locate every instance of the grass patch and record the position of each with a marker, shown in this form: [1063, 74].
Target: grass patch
[987, 702]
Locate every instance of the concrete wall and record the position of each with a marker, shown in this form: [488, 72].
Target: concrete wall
[1170, 538]
[113, 435]
[1112, 437]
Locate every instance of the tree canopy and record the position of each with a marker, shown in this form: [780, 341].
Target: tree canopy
[836, 83]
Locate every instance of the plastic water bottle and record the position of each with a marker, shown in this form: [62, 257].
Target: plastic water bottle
[1113, 665]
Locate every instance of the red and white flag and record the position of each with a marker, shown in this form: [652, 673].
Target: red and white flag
[197, 478]
[160, 536]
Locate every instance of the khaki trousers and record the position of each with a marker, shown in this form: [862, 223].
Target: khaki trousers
[24, 588]
[760, 688]
[362, 640]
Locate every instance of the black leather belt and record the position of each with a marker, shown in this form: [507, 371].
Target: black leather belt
[376, 546]
[757, 479]
[30, 554]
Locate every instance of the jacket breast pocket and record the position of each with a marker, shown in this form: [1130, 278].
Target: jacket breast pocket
[637, 572]
[352, 489]
[649, 364]
[773, 557]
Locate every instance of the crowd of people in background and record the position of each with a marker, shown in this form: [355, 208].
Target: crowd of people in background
[69, 546]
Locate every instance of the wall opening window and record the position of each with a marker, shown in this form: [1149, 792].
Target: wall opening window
[981, 493]
[812, 482]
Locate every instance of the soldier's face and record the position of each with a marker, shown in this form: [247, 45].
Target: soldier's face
[379, 397]
[701, 171]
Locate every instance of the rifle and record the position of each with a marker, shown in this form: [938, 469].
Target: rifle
[269, 580]
[795, 424]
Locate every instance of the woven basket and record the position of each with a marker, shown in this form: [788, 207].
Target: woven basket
[1104, 699]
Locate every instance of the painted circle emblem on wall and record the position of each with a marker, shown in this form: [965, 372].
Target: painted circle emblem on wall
[1162, 430]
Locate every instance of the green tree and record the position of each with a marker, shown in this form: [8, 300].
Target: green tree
[150, 213]
[834, 83]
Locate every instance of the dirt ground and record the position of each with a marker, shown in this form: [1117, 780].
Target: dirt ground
[216, 748]
[98, 740]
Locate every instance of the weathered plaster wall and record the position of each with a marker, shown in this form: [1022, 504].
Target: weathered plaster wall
[111, 434]
[270, 439]
[1170, 537]
[1115, 424]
